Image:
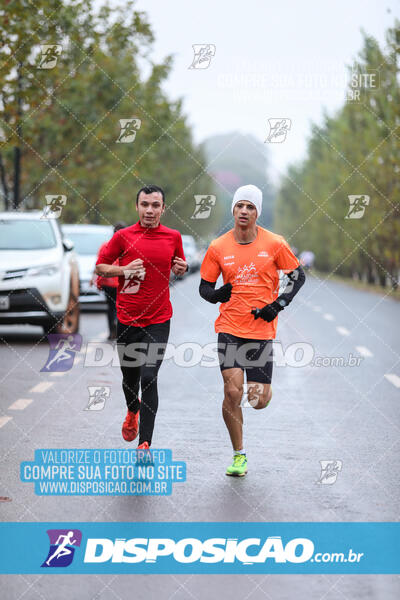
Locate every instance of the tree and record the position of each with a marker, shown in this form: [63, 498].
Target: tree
[69, 116]
[352, 153]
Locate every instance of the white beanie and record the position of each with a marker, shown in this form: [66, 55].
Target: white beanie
[252, 194]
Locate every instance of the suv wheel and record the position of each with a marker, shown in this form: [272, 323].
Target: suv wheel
[70, 321]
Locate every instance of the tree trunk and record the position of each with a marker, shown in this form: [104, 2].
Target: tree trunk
[4, 185]
[371, 275]
[17, 175]
[17, 149]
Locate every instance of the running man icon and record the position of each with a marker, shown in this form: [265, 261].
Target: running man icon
[62, 542]
[62, 549]
[62, 351]
[98, 395]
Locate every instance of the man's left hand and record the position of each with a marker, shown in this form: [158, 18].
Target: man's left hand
[179, 266]
[267, 313]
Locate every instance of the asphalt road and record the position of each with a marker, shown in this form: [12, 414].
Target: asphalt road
[345, 413]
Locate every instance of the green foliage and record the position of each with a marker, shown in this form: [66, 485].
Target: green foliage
[354, 152]
[65, 120]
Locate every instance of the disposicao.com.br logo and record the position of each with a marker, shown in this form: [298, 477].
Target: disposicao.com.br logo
[212, 550]
[169, 553]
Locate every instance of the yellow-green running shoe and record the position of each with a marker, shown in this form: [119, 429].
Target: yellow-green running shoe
[239, 466]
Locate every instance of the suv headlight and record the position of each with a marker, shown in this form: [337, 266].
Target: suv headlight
[42, 270]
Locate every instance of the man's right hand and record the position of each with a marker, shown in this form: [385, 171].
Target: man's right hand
[208, 292]
[223, 294]
[135, 268]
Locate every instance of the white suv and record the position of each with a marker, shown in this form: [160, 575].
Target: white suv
[39, 276]
[87, 240]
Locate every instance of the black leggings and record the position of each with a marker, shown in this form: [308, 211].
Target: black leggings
[145, 374]
[111, 297]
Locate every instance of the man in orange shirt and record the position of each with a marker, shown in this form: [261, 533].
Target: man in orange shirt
[249, 258]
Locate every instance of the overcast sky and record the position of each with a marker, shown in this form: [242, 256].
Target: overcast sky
[273, 59]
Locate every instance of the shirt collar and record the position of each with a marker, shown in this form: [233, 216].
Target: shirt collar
[138, 227]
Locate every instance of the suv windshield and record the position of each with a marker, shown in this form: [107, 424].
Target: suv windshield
[87, 243]
[26, 234]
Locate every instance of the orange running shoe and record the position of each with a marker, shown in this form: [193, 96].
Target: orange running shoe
[144, 446]
[130, 427]
[144, 455]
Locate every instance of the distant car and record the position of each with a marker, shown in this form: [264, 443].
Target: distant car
[39, 276]
[87, 240]
[191, 252]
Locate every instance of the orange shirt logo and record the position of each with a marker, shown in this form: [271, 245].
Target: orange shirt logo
[246, 274]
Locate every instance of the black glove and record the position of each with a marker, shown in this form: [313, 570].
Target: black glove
[208, 292]
[269, 312]
[223, 294]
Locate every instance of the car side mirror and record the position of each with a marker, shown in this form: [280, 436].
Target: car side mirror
[68, 245]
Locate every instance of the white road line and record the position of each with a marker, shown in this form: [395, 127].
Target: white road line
[41, 387]
[4, 420]
[364, 351]
[57, 373]
[342, 330]
[20, 404]
[329, 317]
[395, 379]
[103, 335]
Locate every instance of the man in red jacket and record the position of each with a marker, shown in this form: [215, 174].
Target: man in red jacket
[146, 253]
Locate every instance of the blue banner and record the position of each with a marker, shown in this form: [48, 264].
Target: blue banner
[103, 472]
[70, 548]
